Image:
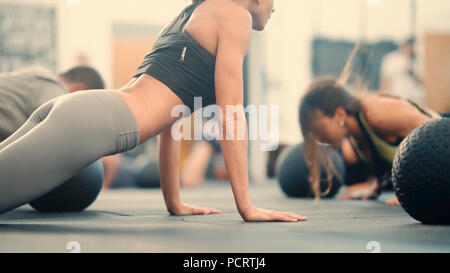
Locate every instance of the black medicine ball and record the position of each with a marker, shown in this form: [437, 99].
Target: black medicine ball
[293, 174]
[76, 194]
[421, 173]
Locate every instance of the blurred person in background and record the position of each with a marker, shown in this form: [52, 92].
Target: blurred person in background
[137, 168]
[204, 161]
[367, 129]
[23, 91]
[400, 74]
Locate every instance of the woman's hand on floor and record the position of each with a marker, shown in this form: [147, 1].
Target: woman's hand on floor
[364, 191]
[262, 215]
[187, 209]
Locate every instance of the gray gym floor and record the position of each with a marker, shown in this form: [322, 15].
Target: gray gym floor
[136, 221]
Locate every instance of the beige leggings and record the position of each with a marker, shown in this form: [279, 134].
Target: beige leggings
[61, 137]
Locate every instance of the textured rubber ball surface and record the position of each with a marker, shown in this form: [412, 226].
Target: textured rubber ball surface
[421, 173]
[293, 174]
[76, 194]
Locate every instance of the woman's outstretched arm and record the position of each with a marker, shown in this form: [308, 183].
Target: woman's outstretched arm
[169, 158]
[233, 39]
[169, 170]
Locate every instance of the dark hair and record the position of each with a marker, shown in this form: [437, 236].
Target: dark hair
[197, 1]
[85, 75]
[326, 95]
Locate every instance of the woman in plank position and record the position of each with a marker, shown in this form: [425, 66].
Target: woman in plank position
[367, 130]
[199, 54]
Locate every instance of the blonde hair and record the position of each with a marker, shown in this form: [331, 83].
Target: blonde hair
[326, 95]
